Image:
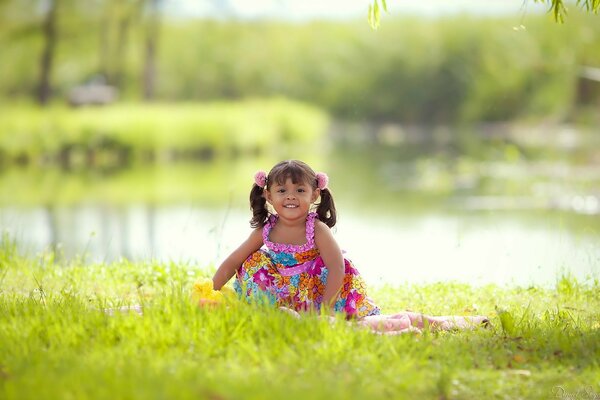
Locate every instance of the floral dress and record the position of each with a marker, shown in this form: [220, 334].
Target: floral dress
[295, 276]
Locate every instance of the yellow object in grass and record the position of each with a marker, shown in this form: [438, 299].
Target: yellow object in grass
[203, 292]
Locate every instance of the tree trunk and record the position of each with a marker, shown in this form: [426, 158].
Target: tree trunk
[47, 59]
[104, 47]
[152, 29]
[121, 50]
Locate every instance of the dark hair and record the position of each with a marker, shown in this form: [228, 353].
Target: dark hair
[258, 205]
[297, 171]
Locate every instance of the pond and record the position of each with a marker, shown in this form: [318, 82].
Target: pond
[401, 220]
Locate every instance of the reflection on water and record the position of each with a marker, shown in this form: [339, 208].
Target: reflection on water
[475, 249]
[393, 249]
[409, 212]
[137, 232]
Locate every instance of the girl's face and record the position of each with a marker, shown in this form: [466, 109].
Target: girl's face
[290, 200]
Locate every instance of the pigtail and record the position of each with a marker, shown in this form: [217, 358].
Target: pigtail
[258, 205]
[326, 209]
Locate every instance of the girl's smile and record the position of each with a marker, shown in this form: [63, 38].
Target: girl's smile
[292, 200]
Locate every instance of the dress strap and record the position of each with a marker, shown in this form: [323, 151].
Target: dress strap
[310, 227]
[291, 248]
[268, 226]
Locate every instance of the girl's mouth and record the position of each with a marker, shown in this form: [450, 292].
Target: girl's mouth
[290, 206]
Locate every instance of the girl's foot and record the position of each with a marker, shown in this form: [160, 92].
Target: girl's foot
[459, 323]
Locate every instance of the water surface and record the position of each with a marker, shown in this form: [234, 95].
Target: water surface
[406, 214]
[394, 249]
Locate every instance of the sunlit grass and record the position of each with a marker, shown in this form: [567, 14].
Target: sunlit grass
[125, 133]
[55, 340]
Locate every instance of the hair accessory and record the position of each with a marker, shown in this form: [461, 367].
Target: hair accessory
[322, 180]
[260, 178]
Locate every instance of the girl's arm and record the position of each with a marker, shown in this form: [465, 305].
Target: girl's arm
[231, 264]
[333, 259]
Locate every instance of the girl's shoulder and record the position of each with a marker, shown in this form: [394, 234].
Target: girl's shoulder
[320, 225]
[257, 231]
[321, 228]
[324, 239]
[256, 236]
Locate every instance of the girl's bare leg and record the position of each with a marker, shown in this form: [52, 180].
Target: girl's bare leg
[445, 322]
[408, 321]
[389, 324]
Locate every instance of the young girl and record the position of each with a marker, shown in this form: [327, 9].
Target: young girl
[292, 259]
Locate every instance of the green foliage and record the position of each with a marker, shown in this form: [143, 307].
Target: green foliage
[125, 133]
[507, 322]
[58, 338]
[437, 71]
[375, 13]
[559, 10]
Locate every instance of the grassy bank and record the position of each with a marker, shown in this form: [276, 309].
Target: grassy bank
[55, 343]
[126, 133]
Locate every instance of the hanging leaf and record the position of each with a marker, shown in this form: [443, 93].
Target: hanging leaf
[384, 5]
[559, 10]
[377, 13]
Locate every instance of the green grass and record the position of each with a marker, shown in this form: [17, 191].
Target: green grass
[129, 132]
[56, 343]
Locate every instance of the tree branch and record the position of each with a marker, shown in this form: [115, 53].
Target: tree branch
[557, 8]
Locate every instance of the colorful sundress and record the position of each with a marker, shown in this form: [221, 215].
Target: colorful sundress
[294, 276]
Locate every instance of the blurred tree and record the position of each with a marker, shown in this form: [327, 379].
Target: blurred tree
[47, 57]
[152, 27]
[447, 70]
[117, 16]
[153, 22]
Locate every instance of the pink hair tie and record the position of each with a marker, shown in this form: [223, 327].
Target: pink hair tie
[260, 178]
[322, 180]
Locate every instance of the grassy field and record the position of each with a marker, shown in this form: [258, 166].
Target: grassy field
[125, 133]
[56, 343]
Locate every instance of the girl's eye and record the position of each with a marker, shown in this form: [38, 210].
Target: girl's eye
[301, 190]
[280, 190]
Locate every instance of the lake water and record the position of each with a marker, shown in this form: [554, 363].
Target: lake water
[393, 248]
[404, 216]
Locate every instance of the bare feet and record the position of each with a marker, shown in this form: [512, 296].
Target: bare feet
[449, 323]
